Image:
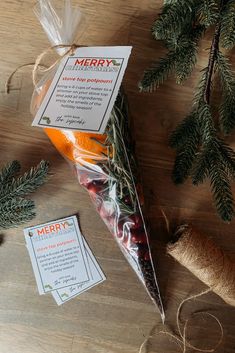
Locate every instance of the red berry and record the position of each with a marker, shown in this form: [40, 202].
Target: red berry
[139, 237]
[147, 256]
[92, 189]
[96, 187]
[136, 221]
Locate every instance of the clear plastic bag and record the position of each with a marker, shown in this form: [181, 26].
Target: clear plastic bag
[60, 25]
[104, 164]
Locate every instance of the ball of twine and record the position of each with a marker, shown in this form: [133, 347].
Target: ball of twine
[205, 260]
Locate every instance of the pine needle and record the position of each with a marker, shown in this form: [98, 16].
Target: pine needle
[187, 129]
[8, 172]
[14, 208]
[227, 107]
[184, 162]
[228, 25]
[121, 165]
[15, 212]
[172, 18]
[208, 12]
[181, 60]
[27, 183]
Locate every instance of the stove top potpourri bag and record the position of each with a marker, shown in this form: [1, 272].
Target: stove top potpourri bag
[104, 163]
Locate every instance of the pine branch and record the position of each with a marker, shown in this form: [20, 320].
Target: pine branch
[227, 156]
[228, 25]
[227, 107]
[187, 129]
[186, 62]
[200, 153]
[14, 209]
[190, 34]
[26, 184]
[195, 129]
[227, 114]
[200, 89]
[208, 12]
[173, 18]
[208, 151]
[217, 161]
[207, 127]
[225, 72]
[15, 212]
[200, 168]
[184, 161]
[212, 57]
[8, 172]
[182, 60]
[221, 188]
[158, 73]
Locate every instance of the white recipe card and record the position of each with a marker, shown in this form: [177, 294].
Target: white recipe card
[84, 89]
[57, 254]
[97, 276]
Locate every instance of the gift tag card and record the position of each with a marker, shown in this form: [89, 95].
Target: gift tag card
[97, 276]
[84, 89]
[57, 254]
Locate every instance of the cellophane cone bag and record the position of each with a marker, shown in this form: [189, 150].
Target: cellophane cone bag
[104, 163]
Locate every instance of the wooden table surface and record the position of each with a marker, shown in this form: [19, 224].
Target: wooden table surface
[116, 316]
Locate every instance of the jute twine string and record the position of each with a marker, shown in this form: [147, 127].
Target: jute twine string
[205, 260]
[181, 338]
[37, 66]
[212, 266]
[70, 51]
[9, 79]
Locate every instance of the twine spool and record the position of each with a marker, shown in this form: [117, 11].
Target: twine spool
[205, 260]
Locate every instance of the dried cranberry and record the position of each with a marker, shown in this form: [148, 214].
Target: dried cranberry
[96, 187]
[138, 236]
[147, 256]
[136, 221]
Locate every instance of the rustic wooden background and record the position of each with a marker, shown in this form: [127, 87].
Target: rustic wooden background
[114, 317]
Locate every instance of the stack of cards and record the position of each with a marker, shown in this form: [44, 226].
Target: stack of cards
[62, 261]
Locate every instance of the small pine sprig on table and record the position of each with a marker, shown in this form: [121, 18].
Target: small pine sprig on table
[15, 209]
[201, 152]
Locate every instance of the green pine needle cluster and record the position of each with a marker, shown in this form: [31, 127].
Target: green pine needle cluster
[15, 209]
[228, 25]
[201, 152]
